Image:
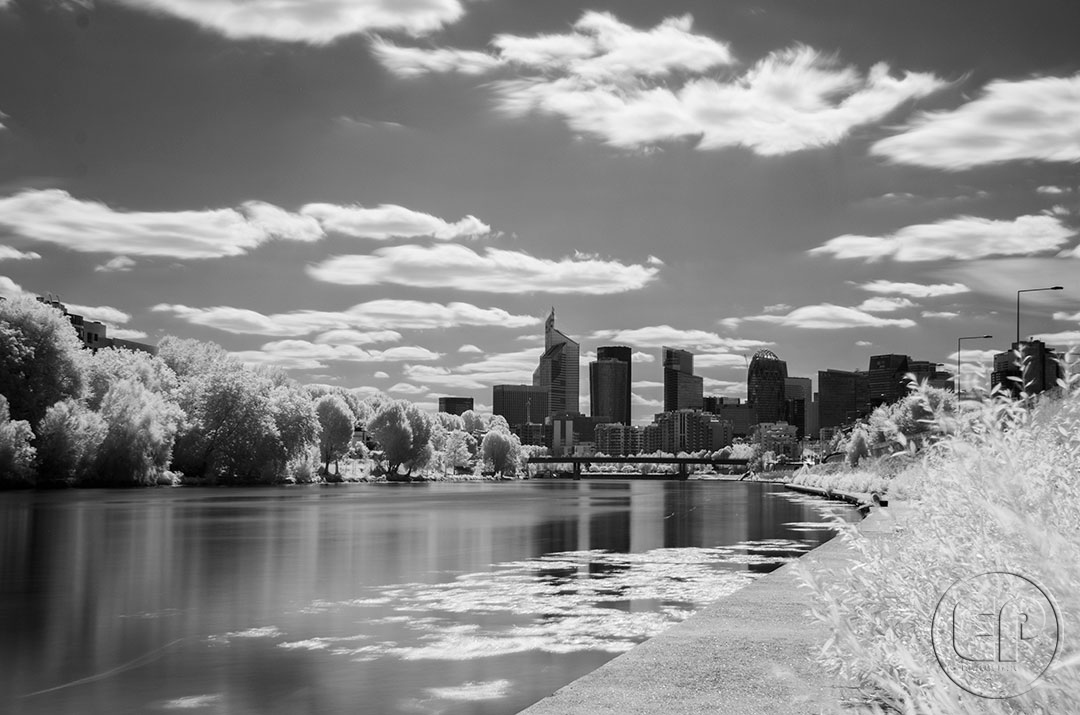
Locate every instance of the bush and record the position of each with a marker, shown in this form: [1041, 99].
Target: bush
[16, 454]
[69, 438]
[999, 491]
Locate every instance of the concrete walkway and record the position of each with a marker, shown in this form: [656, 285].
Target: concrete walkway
[750, 652]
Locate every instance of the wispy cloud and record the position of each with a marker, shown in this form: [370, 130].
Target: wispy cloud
[653, 336]
[883, 304]
[104, 313]
[943, 314]
[305, 355]
[120, 264]
[498, 368]
[962, 238]
[54, 216]
[7, 253]
[373, 318]
[493, 271]
[831, 317]
[633, 88]
[1067, 337]
[302, 21]
[1033, 119]
[914, 290]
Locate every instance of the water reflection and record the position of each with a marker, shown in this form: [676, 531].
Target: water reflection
[316, 600]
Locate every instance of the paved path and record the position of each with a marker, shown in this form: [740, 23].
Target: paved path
[750, 652]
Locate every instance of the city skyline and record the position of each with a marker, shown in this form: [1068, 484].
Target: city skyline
[394, 200]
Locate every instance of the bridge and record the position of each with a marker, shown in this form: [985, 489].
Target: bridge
[681, 461]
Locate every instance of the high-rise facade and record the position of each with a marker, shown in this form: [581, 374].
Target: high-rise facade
[520, 404]
[887, 377]
[455, 405]
[558, 372]
[683, 390]
[798, 394]
[765, 385]
[1039, 371]
[609, 384]
[843, 397]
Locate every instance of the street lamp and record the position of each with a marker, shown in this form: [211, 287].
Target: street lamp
[1028, 290]
[966, 337]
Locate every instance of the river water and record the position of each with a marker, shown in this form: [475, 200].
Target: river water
[419, 598]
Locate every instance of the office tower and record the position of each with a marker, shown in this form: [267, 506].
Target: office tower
[558, 370]
[742, 417]
[888, 381]
[455, 405]
[843, 397]
[797, 400]
[520, 404]
[609, 384]
[682, 389]
[765, 385]
[926, 371]
[692, 431]
[1039, 371]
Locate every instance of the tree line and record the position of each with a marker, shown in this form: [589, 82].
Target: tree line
[194, 414]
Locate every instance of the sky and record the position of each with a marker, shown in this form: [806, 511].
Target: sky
[391, 195]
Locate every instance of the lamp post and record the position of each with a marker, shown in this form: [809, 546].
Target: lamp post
[1028, 290]
[966, 337]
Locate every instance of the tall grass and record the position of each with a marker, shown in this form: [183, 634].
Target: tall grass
[1000, 491]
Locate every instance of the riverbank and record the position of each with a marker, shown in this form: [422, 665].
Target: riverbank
[750, 652]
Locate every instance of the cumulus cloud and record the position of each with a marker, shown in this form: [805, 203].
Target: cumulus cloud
[55, 216]
[1054, 190]
[381, 375]
[1062, 315]
[509, 368]
[7, 253]
[120, 264]
[882, 304]
[469, 348]
[306, 355]
[1068, 337]
[10, 289]
[633, 88]
[303, 21]
[962, 238]
[914, 290]
[1032, 119]
[405, 388]
[390, 221]
[103, 313]
[831, 317]
[653, 336]
[493, 271]
[368, 321]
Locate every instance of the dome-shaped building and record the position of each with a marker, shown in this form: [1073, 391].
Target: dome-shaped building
[765, 385]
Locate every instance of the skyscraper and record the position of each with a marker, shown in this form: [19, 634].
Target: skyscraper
[455, 405]
[765, 385]
[887, 378]
[1040, 369]
[797, 402]
[520, 404]
[609, 384]
[558, 370]
[843, 397]
[682, 389]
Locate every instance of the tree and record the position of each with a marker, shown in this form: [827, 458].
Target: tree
[138, 444]
[40, 358]
[498, 423]
[403, 431]
[105, 367]
[336, 420]
[456, 449]
[296, 422]
[472, 421]
[16, 454]
[69, 438]
[501, 450]
[857, 448]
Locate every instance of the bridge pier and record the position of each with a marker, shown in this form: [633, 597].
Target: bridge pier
[682, 471]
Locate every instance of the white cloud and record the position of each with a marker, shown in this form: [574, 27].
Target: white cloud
[1053, 190]
[884, 304]
[639, 401]
[306, 21]
[945, 314]
[7, 253]
[415, 61]
[305, 355]
[54, 216]
[468, 348]
[655, 336]
[10, 289]
[707, 360]
[120, 264]
[405, 388]
[1068, 337]
[381, 375]
[914, 290]
[864, 343]
[962, 238]
[368, 318]
[1032, 119]
[831, 317]
[640, 357]
[103, 313]
[633, 88]
[1062, 315]
[389, 221]
[126, 334]
[777, 308]
[646, 384]
[358, 337]
[511, 368]
[494, 271]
